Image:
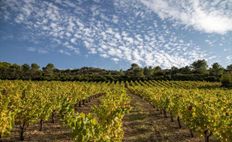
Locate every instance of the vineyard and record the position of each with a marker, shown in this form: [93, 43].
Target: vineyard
[104, 112]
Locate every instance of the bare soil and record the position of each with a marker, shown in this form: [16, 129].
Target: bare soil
[145, 124]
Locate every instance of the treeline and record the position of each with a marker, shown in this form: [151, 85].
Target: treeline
[197, 71]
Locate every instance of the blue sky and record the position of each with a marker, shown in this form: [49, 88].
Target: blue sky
[112, 34]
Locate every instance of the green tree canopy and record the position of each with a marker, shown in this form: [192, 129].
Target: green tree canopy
[49, 71]
[229, 67]
[200, 67]
[216, 69]
[135, 71]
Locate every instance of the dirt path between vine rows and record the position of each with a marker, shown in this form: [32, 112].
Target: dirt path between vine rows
[145, 124]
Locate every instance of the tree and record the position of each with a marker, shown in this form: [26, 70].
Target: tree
[4, 67]
[135, 71]
[173, 71]
[148, 71]
[25, 71]
[200, 67]
[121, 72]
[157, 70]
[216, 70]
[229, 67]
[48, 71]
[25, 67]
[35, 71]
[134, 66]
[185, 70]
[35, 67]
[227, 79]
[14, 72]
[138, 73]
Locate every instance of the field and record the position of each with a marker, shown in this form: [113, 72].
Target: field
[140, 111]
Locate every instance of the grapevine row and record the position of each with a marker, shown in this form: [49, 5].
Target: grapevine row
[24, 103]
[204, 111]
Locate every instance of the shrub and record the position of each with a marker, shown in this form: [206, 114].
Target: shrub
[227, 79]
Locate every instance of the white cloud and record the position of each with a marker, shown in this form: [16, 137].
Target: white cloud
[115, 59]
[39, 50]
[42, 51]
[64, 52]
[31, 49]
[229, 58]
[211, 16]
[136, 37]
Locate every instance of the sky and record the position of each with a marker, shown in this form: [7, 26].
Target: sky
[113, 34]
